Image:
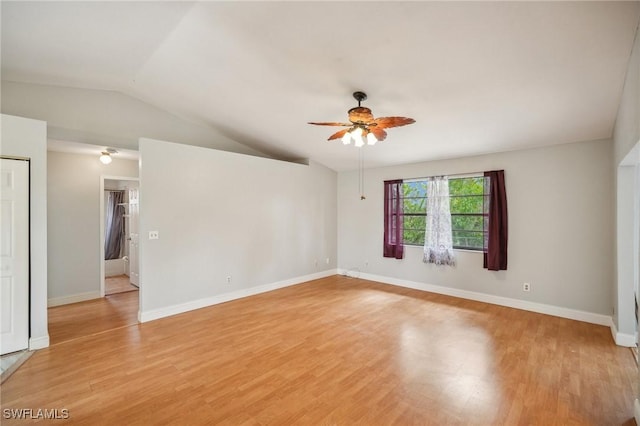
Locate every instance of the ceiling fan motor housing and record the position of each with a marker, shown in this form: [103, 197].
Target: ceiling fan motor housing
[360, 115]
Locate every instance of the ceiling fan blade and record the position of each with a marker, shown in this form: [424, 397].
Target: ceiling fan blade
[338, 135]
[386, 122]
[378, 133]
[330, 123]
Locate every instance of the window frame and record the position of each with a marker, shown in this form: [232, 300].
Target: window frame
[484, 215]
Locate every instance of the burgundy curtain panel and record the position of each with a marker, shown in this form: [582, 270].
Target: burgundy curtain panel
[495, 251]
[393, 211]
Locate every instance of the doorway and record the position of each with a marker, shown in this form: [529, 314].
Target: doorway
[119, 236]
[77, 320]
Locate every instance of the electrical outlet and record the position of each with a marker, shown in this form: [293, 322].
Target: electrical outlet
[154, 235]
[327, 261]
[526, 287]
[366, 263]
[228, 279]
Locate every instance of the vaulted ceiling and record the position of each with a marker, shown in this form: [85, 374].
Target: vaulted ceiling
[477, 77]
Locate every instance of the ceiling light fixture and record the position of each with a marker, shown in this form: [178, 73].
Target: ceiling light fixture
[105, 158]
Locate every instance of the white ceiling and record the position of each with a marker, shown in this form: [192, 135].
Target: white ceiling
[477, 77]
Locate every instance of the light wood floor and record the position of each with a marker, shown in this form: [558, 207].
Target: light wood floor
[118, 284]
[77, 320]
[337, 351]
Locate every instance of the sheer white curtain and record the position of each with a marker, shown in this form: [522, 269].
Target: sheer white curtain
[438, 240]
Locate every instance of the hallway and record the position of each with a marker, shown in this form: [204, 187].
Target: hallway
[70, 322]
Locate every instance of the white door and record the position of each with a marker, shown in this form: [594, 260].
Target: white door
[14, 263]
[134, 264]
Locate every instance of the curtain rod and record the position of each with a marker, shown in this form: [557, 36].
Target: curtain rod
[459, 175]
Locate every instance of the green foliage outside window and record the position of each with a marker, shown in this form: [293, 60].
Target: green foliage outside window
[415, 207]
[468, 204]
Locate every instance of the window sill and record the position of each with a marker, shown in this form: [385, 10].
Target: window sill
[469, 251]
[455, 249]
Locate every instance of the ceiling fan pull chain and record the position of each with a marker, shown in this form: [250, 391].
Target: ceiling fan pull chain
[361, 173]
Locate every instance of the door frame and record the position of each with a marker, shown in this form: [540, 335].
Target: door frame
[102, 179]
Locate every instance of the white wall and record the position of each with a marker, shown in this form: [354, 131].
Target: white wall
[115, 267]
[105, 117]
[263, 222]
[627, 127]
[74, 223]
[23, 137]
[560, 228]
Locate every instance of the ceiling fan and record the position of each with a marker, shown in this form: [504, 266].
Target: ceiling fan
[363, 126]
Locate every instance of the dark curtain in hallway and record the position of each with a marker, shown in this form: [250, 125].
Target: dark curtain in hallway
[114, 226]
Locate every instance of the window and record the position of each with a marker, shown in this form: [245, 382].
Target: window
[469, 211]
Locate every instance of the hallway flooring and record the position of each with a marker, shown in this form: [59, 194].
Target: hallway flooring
[118, 284]
[70, 322]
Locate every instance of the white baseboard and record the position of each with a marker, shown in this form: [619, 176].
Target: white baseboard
[38, 342]
[541, 308]
[145, 316]
[636, 411]
[74, 298]
[622, 339]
